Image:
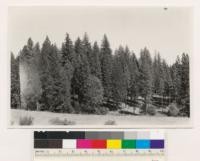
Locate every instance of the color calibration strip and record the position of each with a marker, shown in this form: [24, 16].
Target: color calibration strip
[99, 140]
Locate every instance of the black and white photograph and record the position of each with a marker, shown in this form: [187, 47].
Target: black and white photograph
[99, 66]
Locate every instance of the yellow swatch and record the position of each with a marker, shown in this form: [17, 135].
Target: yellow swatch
[114, 144]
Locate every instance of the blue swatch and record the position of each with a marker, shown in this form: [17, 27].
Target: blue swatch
[142, 144]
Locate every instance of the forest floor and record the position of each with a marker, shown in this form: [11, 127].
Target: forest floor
[43, 118]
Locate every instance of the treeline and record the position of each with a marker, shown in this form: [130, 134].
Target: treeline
[83, 77]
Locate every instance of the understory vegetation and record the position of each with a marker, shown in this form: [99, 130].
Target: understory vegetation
[83, 77]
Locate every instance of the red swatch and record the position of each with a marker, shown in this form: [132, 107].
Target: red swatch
[99, 144]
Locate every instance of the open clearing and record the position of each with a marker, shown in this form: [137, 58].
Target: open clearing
[41, 118]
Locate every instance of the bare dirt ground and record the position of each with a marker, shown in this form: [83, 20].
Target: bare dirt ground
[43, 118]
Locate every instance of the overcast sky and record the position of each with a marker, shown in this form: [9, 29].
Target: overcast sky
[167, 31]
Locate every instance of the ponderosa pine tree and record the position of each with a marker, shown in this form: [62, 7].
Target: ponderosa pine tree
[106, 67]
[15, 83]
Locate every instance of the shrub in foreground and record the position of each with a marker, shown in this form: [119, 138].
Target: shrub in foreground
[173, 109]
[26, 120]
[151, 109]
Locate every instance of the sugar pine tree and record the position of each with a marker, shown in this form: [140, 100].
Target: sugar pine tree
[106, 66]
[15, 83]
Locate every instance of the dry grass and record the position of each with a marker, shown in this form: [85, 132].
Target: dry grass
[110, 122]
[58, 121]
[42, 118]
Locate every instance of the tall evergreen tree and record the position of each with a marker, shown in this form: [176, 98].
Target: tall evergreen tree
[15, 83]
[67, 51]
[176, 76]
[95, 61]
[81, 74]
[185, 83]
[30, 88]
[134, 77]
[106, 66]
[158, 75]
[145, 76]
[119, 85]
[52, 97]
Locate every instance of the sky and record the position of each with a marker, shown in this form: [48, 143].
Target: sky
[167, 31]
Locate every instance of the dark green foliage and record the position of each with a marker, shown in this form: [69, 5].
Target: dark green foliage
[15, 83]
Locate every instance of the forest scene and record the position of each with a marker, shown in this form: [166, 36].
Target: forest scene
[87, 78]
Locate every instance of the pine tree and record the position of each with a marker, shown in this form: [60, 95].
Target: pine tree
[106, 66]
[15, 83]
[134, 77]
[30, 88]
[94, 95]
[158, 75]
[119, 86]
[95, 61]
[53, 92]
[145, 76]
[81, 75]
[67, 51]
[87, 49]
[185, 83]
[176, 76]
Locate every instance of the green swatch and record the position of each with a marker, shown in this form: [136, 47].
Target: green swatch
[128, 144]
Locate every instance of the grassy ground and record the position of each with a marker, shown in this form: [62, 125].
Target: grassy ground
[48, 118]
